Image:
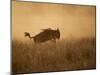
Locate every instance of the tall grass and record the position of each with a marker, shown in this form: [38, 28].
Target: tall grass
[63, 55]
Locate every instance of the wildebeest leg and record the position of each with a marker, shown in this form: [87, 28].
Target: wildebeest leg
[54, 43]
[54, 40]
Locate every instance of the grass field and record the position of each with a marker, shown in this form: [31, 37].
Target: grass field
[46, 57]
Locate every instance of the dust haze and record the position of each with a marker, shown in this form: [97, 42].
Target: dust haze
[72, 20]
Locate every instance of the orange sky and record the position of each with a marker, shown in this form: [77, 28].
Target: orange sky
[72, 20]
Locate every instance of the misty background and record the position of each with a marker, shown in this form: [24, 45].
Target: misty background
[73, 20]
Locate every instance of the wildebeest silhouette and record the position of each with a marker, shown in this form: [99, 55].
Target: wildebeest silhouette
[45, 35]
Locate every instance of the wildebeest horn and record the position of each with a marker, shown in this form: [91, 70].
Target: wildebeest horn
[46, 29]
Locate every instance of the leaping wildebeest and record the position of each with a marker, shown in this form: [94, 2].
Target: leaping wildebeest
[45, 35]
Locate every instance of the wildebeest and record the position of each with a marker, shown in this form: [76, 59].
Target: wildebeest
[45, 35]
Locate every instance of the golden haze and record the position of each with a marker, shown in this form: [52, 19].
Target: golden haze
[72, 20]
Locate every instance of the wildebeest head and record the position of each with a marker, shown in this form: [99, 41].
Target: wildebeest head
[57, 34]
